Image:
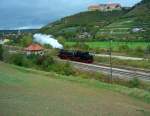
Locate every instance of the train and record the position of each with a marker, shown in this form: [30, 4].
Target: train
[79, 56]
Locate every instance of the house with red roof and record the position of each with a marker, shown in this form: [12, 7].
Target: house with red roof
[34, 49]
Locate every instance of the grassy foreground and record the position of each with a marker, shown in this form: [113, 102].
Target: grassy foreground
[28, 92]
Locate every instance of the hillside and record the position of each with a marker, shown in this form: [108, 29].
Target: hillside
[141, 10]
[85, 21]
[30, 93]
[132, 24]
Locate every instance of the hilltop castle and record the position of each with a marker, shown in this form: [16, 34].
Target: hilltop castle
[105, 7]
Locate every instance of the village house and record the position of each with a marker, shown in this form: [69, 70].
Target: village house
[84, 35]
[105, 7]
[34, 49]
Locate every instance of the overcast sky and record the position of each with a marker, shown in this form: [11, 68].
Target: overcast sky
[35, 13]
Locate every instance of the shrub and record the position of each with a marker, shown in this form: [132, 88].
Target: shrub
[6, 55]
[81, 46]
[123, 48]
[63, 68]
[67, 69]
[1, 52]
[148, 51]
[46, 61]
[16, 59]
[139, 51]
[134, 83]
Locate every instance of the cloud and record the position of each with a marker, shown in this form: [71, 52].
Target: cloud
[20, 13]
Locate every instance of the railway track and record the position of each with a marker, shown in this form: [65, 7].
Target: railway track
[116, 72]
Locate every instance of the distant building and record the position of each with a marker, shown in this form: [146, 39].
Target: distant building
[34, 49]
[84, 35]
[105, 7]
[137, 30]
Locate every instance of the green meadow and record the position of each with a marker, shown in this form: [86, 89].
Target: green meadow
[28, 92]
[106, 44]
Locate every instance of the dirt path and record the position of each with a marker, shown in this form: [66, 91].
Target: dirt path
[120, 57]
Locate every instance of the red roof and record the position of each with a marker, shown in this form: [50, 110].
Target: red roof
[34, 47]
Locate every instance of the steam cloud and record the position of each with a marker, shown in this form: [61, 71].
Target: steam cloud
[47, 39]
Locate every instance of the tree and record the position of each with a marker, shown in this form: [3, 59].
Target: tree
[61, 40]
[48, 46]
[26, 40]
[1, 52]
[123, 48]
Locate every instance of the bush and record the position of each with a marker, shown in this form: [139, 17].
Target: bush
[18, 59]
[139, 51]
[148, 49]
[67, 69]
[81, 46]
[6, 55]
[123, 48]
[63, 68]
[1, 52]
[47, 61]
[134, 83]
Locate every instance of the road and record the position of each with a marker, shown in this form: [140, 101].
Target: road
[119, 57]
[117, 72]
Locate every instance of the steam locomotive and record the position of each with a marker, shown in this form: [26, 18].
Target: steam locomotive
[78, 56]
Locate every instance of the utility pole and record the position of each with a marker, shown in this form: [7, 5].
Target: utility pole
[148, 51]
[111, 71]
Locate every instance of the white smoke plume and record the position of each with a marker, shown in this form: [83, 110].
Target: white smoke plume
[47, 39]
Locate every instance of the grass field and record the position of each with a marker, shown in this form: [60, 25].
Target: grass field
[106, 44]
[27, 92]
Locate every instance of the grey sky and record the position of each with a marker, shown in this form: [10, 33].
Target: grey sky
[35, 13]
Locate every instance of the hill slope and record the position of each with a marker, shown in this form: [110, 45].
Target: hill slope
[31, 93]
[125, 24]
[82, 20]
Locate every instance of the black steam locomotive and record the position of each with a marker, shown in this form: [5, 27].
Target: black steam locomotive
[78, 56]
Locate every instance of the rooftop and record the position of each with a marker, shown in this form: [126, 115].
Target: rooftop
[34, 47]
[104, 5]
